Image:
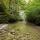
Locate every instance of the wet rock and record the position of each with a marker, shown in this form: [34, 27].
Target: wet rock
[13, 32]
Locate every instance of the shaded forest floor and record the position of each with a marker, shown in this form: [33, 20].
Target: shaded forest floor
[21, 31]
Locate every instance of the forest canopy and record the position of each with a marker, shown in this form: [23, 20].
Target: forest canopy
[11, 9]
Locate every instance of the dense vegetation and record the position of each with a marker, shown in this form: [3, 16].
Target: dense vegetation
[33, 15]
[10, 11]
[32, 10]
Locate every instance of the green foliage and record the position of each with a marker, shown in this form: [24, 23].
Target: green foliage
[10, 10]
[33, 12]
[22, 4]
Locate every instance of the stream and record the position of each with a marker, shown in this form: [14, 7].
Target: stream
[3, 26]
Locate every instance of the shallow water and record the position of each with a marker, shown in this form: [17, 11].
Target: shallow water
[25, 31]
[20, 31]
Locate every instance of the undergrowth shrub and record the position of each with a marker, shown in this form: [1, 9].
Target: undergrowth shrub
[34, 16]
